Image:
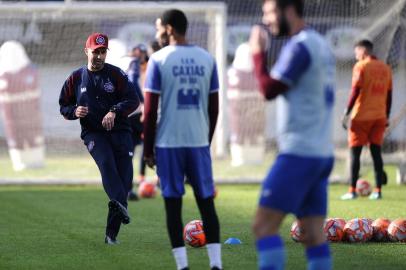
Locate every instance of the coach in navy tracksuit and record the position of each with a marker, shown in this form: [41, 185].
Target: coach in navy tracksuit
[101, 96]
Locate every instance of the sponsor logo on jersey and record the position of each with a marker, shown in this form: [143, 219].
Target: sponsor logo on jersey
[83, 89]
[130, 154]
[108, 86]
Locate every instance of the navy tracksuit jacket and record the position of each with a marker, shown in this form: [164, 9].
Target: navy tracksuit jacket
[112, 150]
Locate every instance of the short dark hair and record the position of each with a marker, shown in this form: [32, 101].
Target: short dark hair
[365, 43]
[175, 18]
[297, 4]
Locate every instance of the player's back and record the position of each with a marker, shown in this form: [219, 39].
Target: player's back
[374, 78]
[305, 110]
[186, 76]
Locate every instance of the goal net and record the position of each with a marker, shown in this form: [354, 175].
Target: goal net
[51, 37]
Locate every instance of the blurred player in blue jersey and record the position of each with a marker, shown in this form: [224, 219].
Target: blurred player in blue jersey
[182, 80]
[100, 95]
[304, 79]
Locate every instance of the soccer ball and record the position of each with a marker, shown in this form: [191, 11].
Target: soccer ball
[369, 220]
[358, 230]
[147, 189]
[296, 232]
[193, 234]
[397, 230]
[363, 187]
[341, 221]
[380, 229]
[334, 229]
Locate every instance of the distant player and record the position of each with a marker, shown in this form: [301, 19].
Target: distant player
[182, 80]
[100, 95]
[369, 105]
[136, 73]
[304, 79]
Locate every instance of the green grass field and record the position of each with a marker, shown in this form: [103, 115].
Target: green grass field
[81, 166]
[62, 227]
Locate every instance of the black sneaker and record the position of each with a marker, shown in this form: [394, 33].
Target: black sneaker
[111, 241]
[117, 206]
[132, 196]
[215, 268]
[384, 178]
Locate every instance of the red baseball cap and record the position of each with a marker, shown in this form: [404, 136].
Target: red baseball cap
[97, 40]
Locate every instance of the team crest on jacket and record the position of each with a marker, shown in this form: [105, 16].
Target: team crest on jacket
[108, 86]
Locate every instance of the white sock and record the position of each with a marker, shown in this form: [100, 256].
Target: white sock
[180, 257]
[214, 252]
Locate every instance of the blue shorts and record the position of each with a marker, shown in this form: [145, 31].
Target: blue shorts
[174, 164]
[297, 185]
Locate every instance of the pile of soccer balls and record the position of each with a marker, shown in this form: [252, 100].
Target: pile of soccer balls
[358, 230]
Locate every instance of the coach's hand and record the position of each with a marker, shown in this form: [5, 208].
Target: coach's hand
[344, 121]
[81, 111]
[150, 161]
[108, 120]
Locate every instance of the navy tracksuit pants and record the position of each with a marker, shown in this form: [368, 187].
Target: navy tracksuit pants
[113, 153]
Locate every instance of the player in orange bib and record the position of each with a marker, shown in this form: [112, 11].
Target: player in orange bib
[368, 108]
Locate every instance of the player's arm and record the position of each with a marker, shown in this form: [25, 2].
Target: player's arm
[152, 89]
[388, 103]
[355, 92]
[389, 97]
[269, 87]
[357, 80]
[150, 120]
[213, 106]
[67, 99]
[213, 113]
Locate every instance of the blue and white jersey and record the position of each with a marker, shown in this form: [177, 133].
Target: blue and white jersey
[184, 76]
[305, 112]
